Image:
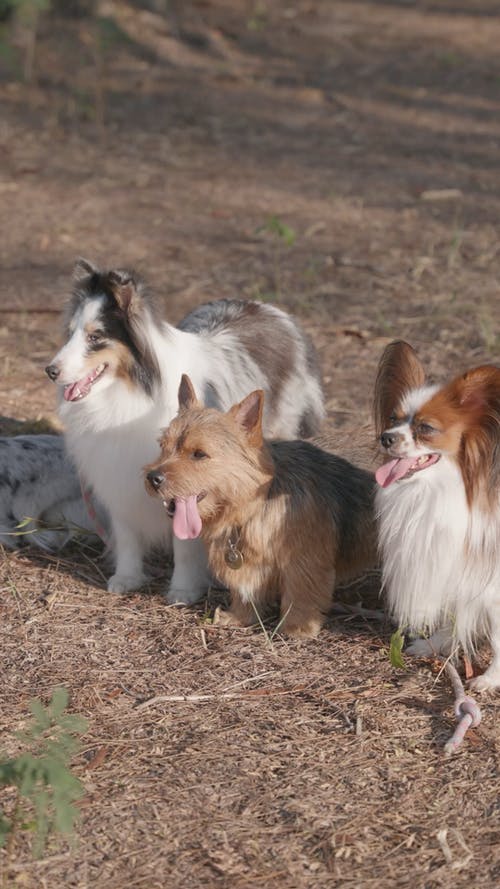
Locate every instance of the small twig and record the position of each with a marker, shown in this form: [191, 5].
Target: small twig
[94, 565]
[466, 710]
[249, 679]
[131, 694]
[223, 696]
[268, 638]
[203, 636]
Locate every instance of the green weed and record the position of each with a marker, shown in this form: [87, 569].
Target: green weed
[45, 788]
[396, 650]
[282, 238]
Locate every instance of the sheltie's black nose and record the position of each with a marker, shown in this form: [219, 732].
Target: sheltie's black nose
[53, 371]
[155, 479]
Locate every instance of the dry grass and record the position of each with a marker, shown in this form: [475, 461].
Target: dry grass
[324, 763]
[325, 766]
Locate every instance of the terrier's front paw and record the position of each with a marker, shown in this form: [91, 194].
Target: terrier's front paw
[125, 583]
[308, 630]
[225, 618]
[178, 596]
[488, 681]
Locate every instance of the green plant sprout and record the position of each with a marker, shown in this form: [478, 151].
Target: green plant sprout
[396, 650]
[45, 788]
[284, 232]
[283, 236]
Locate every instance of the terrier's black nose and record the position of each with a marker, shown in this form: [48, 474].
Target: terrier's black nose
[155, 479]
[387, 439]
[53, 371]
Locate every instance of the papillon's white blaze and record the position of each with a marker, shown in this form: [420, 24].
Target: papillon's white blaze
[119, 373]
[438, 500]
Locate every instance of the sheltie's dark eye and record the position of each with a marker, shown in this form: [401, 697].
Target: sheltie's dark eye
[199, 455]
[393, 420]
[95, 337]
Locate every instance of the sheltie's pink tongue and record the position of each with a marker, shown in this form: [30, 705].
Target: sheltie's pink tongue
[187, 520]
[75, 391]
[393, 470]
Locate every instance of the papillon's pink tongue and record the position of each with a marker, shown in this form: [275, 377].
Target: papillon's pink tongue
[187, 521]
[77, 390]
[393, 470]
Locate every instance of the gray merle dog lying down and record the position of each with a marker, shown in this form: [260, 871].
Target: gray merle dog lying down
[40, 483]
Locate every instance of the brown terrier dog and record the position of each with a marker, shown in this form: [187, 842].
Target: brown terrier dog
[282, 520]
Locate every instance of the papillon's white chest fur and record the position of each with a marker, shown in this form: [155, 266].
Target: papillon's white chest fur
[438, 504]
[120, 371]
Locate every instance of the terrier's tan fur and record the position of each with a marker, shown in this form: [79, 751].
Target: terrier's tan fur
[300, 518]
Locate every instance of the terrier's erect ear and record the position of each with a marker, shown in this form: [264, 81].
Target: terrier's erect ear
[248, 413]
[124, 288]
[399, 371]
[187, 395]
[83, 269]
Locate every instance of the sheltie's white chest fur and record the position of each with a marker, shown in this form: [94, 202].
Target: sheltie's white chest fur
[110, 439]
[441, 562]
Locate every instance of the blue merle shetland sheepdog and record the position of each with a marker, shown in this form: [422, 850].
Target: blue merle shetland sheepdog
[119, 374]
[40, 498]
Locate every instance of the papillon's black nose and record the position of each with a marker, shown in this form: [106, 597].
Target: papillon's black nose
[155, 479]
[387, 439]
[53, 371]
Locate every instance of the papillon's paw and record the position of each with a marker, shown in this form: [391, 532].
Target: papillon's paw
[420, 648]
[440, 643]
[488, 681]
[126, 583]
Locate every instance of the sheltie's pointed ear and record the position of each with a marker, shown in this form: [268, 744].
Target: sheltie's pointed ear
[83, 269]
[125, 289]
[248, 413]
[187, 395]
[399, 371]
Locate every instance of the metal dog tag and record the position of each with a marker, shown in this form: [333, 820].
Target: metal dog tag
[232, 557]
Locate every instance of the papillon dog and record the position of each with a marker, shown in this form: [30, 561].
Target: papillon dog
[119, 373]
[438, 504]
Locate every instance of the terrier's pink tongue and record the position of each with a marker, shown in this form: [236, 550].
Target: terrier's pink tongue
[187, 521]
[393, 470]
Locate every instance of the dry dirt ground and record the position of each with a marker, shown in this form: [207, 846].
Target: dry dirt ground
[178, 144]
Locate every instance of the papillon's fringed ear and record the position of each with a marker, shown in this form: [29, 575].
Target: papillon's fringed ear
[187, 395]
[476, 394]
[124, 288]
[248, 414]
[83, 269]
[480, 388]
[399, 371]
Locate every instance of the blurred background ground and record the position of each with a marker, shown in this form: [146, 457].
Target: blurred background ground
[341, 160]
